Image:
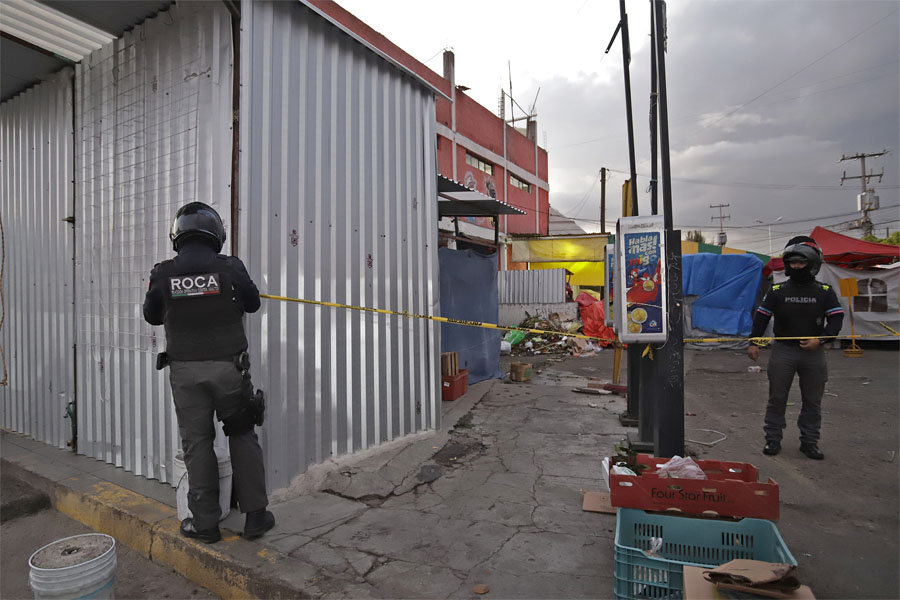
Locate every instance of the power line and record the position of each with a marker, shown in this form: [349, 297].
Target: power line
[756, 186]
[733, 227]
[795, 73]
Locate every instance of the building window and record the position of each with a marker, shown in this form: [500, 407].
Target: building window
[516, 182]
[872, 296]
[476, 162]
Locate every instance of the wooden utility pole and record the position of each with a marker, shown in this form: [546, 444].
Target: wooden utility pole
[721, 238]
[865, 223]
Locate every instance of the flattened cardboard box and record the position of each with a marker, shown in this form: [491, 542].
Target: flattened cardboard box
[696, 587]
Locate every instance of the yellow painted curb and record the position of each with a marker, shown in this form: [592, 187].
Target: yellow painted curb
[201, 563]
[231, 568]
[112, 509]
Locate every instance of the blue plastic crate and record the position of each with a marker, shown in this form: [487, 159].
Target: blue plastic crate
[686, 541]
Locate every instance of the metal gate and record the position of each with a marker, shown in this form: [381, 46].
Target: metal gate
[36, 200]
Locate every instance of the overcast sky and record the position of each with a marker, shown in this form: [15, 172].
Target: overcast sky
[764, 98]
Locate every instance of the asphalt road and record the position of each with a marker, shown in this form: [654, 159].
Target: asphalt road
[136, 577]
[840, 517]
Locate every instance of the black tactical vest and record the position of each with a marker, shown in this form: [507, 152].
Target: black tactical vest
[202, 320]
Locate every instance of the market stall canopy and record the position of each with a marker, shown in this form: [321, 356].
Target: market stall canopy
[846, 251]
[583, 273]
[456, 200]
[850, 252]
[569, 248]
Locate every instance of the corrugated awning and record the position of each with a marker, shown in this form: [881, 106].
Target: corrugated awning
[456, 200]
[51, 29]
[41, 37]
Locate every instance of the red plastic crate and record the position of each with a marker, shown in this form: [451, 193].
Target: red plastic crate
[731, 489]
[454, 386]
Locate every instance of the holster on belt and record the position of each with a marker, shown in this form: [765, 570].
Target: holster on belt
[254, 402]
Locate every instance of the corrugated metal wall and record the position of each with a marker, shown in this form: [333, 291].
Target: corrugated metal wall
[532, 287]
[338, 203]
[36, 194]
[153, 131]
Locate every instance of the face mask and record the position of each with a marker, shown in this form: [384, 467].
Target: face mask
[798, 275]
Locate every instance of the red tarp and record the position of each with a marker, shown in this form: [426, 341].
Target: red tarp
[846, 251]
[592, 316]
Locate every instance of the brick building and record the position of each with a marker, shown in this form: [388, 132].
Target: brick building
[474, 145]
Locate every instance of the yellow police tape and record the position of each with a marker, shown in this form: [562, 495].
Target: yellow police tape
[383, 311]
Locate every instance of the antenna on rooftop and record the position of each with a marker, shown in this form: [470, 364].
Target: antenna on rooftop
[529, 114]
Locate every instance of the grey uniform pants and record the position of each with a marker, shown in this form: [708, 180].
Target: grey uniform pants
[810, 366]
[201, 388]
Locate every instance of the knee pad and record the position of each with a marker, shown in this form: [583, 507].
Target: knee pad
[239, 423]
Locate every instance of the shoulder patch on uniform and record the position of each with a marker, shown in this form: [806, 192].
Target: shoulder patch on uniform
[825, 286]
[777, 286]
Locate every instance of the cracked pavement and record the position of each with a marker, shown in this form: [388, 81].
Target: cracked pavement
[495, 497]
[495, 500]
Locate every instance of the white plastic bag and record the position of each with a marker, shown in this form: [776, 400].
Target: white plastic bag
[681, 468]
[617, 470]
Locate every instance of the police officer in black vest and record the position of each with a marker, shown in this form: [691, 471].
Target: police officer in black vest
[802, 307]
[200, 297]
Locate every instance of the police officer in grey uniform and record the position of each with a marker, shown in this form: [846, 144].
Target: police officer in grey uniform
[200, 297]
[802, 307]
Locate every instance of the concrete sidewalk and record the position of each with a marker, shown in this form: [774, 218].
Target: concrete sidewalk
[494, 498]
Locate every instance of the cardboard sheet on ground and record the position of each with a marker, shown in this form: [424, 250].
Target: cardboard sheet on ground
[598, 502]
[696, 587]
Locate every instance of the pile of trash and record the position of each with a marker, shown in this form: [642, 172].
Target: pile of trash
[557, 341]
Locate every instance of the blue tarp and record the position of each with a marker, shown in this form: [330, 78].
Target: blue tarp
[726, 286]
[469, 292]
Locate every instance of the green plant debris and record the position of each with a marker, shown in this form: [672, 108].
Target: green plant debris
[626, 457]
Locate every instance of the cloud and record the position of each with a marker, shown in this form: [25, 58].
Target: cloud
[729, 123]
[764, 98]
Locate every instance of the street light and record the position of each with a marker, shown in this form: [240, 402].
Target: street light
[770, 231]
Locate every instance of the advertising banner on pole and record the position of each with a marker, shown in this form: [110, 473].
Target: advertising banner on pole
[640, 279]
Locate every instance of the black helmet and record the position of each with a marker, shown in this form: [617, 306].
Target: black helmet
[196, 219]
[806, 248]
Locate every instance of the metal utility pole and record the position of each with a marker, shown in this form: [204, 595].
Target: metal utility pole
[668, 370]
[867, 200]
[602, 199]
[626, 62]
[722, 238]
[634, 353]
[654, 208]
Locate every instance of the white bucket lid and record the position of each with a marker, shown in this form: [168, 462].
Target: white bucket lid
[72, 551]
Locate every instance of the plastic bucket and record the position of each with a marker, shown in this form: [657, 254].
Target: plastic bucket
[182, 484]
[81, 566]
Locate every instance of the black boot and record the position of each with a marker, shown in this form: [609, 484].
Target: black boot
[209, 536]
[772, 448]
[811, 449]
[258, 522]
